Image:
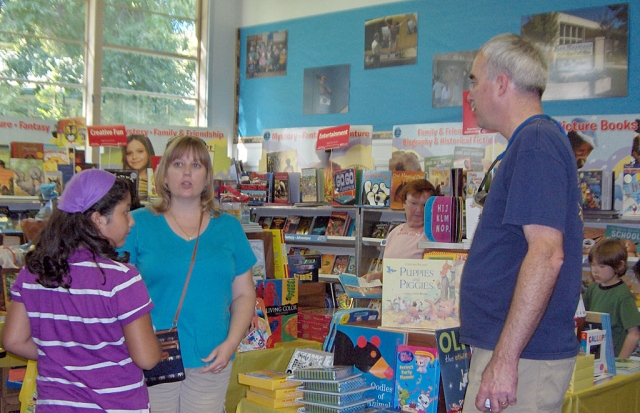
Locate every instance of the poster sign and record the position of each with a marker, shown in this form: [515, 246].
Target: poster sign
[107, 135]
[333, 138]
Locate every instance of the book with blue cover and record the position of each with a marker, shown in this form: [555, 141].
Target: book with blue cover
[372, 352]
[417, 379]
[375, 189]
[454, 367]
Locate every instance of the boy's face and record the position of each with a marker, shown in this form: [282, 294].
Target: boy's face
[603, 274]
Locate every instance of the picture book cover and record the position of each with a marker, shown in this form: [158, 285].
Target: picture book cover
[28, 176]
[474, 179]
[454, 367]
[441, 180]
[596, 187]
[291, 226]
[312, 184]
[338, 223]
[54, 177]
[602, 321]
[6, 181]
[351, 267]
[282, 161]
[265, 221]
[629, 235]
[55, 154]
[380, 230]
[358, 287]
[631, 192]
[319, 226]
[67, 173]
[340, 264]
[376, 189]
[304, 267]
[256, 186]
[304, 225]
[417, 379]
[594, 342]
[421, 294]
[281, 188]
[398, 180]
[372, 352]
[258, 270]
[258, 332]
[345, 186]
[281, 302]
[327, 263]
[278, 222]
[27, 150]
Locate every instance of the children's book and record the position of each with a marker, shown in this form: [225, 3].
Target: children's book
[375, 189]
[291, 226]
[358, 287]
[312, 184]
[602, 321]
[256, 186]
[54, 177]
[398, 180]
[6, 181]
[319, 226]
[281, 188]
[629, 235]
[258, 271]
[278, 222]
[281, 303]
[303, 358]
[417, 379]
[304, 225]
[28, 175]
[259, 331]
[265, 221]
[338, 223]
[631, 192]
[594, 342]
[351, 267]
[345, 186]
[454, 367]
[67, 173]
[345, 316]
[304, 267]
[372, 352]
[420, 294]
[596, 187]
[27, 150]
[340, 264]
[5, 155]
[380, 230]
[327, 263]
[267, 379]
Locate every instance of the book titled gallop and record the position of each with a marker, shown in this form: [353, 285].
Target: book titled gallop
[417, 379]
[420, 294]
[454, 367]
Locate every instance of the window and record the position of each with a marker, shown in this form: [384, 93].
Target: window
[148, 72]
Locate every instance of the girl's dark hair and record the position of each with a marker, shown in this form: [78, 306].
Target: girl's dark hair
[610, 252]
[66, 232]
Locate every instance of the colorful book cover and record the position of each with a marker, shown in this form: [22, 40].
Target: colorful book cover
[454, 367]
[345, 186]
[380, 230]
[474, 179]
[282, 161]
[256, 186]
[351, 267]
[291, 226]
[327, 263]
[6, 181]
[265, 221]
[438, 161]
[469, 158]
[338, 223]
[417, 379]
[281, 188]
[376, 189]
[421, 294]
[602, 321]
[304, 226]
[304, 267]
[56, 154]
[28, 176]
[372, 352]
[358, 287]
[398, 180]
[5, 155]
[596, 187]
[441, 180]
[54, 177]
[629, 235]
[594, 342]
[27, 150]
[258, 332]
[319, 226]
[280, 266]
[278, 222]
[631, 192]
[281, 301]
[312, 184]
[340, 264]
[441, 219]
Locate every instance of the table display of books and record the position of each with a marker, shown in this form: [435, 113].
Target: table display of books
[336, 389]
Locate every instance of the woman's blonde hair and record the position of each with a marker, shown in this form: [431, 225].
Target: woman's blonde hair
[176, 148]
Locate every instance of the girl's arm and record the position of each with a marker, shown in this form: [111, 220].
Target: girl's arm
[242, 311]
[630, 343]
[142, 343]
[16, 336]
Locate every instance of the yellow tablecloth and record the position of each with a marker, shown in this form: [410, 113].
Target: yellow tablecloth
[619, 395]
[273, 358]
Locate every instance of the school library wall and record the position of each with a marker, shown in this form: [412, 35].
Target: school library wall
[401, 94]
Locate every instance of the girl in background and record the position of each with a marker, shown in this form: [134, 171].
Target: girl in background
[79, 310]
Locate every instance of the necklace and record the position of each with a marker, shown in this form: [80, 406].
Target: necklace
[189, 237]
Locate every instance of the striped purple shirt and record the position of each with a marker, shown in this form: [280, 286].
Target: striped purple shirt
[83, 362]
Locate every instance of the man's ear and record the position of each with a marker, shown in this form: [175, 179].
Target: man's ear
[503, 82]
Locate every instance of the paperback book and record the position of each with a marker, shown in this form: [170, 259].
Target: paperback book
[338, 223]
[454, 367]
[312, 184]
[376, 189]
[28, 175]
[421, 294]
[281, 304]
[417, 379]
[281, 188]
[358, 287]
[398, 180]
[596, 187]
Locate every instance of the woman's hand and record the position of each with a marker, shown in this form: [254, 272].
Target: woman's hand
[219, 358]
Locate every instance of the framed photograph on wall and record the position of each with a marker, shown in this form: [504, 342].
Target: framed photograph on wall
[326, 90]
[267, 54]
[391, 41]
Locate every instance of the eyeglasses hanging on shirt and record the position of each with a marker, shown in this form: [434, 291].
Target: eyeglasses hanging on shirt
[483, 188]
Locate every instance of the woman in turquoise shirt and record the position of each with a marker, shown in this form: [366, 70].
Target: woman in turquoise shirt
[220, 298]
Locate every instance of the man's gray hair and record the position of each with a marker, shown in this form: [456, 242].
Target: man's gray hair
[523, 62]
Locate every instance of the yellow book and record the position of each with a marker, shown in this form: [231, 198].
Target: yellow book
[584, 361]
[267, 379]
[287, 393]
[269, 402]
[280, 264]
[576, 386]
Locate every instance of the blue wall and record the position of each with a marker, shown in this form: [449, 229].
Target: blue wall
[402, 94]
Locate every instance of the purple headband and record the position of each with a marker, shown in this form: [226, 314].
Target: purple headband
[85, 189]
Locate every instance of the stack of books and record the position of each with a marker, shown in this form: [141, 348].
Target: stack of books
[628, 366]
[336, 389]
[271, 388]
[582, 377]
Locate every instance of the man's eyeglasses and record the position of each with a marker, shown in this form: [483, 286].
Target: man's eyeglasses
[483, 188]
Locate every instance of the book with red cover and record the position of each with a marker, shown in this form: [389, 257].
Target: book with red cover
[280, 187]
[338, 223]
[27, 150]
[398, 180]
